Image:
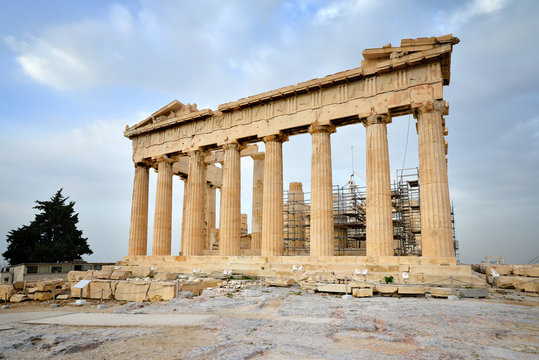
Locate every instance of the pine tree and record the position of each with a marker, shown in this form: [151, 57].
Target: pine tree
[51, 237]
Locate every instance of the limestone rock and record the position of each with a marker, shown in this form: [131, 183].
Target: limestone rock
[359, 284]
[506, 282]
[440, 292]
[164, 276]
[99, 287]
[526, 270]
[18, 298]
[90, 275]
[104, 274]
[500, 269]
[411, 290]
[532, 270]
[75, 275]
[6, 291]
[333, 288]
[362, 292]
[480, 268]
[282, 282]
[522, 283]
[49, 285]
[132, 291]
[385, 289]
[43, 295]
[75, 292]
[308, 285]
[18, 285]
[194, 287]
[162, 291]
[63, 297]
[120, 274]
[211, 282]
[528, 285]
[140, 271]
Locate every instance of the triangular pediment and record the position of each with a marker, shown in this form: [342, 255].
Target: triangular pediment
[170, 111]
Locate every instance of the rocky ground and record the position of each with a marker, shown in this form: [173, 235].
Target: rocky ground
[290, 323]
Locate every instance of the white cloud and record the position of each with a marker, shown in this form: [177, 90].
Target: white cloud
[338, 9]
[472, 9]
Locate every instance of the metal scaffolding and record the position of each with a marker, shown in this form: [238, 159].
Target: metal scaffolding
[349, 208]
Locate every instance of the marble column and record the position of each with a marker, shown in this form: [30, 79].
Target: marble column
[296, 214]
[138, 231]
[184, 204]
[436, 232]
[196, 204]
[272, 213]
[258, 191]
[210, 215]
[230, 219]
[321, 239]
[162, 225]
[379, 211]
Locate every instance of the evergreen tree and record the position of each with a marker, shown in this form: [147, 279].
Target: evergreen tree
[51, 237]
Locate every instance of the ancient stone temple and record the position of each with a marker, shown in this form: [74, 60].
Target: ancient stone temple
[204, 148]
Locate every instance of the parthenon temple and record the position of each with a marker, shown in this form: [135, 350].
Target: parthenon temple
[204, 148]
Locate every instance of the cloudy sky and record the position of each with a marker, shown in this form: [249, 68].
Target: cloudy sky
[74, 73]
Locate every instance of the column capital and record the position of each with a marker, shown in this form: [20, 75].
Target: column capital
[258, 156]
[279, 137]
[439, 106]
[316, 128]
[377, 119]
[197, 153]
[141, 164]
[233, 145]
[164, 158]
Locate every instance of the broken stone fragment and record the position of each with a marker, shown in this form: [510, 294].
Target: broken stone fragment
[6, 291]
[440, 292]
[18, 298]
[43, 295]
[362, 292]
[120, 274]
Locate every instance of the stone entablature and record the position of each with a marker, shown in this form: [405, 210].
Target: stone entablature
[391, 81]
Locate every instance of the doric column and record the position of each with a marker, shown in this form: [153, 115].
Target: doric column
[210, 215]
[272, 213]
[230, 214]
[436, 233]
[379, 212]
[296, 215]
[138, 231]
[162, 225]
[321, 241]
[184, 204]
[258, 191]
[196, 204]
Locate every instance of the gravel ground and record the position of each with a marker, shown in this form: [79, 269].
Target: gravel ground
[288, 323]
